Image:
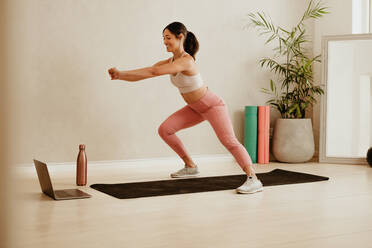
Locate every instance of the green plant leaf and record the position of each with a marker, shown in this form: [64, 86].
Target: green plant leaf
[291, 62]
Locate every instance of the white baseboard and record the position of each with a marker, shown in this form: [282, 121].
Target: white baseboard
[145, 162]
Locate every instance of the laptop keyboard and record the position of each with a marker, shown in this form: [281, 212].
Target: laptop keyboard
[62, 193]
[70, 193]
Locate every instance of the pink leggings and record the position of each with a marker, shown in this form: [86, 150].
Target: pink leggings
[212, 108]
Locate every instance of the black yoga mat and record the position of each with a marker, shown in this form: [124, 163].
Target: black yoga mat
[201, 184]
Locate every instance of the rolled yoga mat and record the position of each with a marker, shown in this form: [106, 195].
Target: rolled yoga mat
[263, 134]
[250, 131]
[201, 184]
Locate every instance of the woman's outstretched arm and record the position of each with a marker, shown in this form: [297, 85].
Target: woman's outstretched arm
[159, 69]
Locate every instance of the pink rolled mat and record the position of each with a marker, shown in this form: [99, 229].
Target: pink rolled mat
[263, 130]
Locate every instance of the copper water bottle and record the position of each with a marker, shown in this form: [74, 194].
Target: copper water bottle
[81, 167]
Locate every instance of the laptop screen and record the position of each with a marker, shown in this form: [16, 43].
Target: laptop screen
[44, 178]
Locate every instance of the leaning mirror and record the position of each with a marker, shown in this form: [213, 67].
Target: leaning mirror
[346, 119]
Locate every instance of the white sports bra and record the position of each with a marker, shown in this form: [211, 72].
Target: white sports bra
[186, 83]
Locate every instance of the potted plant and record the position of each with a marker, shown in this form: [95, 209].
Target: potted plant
[294, 91]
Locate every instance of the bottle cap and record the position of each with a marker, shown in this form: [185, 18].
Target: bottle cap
[81, 146]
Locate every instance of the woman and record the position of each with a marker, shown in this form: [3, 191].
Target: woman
[202, 104]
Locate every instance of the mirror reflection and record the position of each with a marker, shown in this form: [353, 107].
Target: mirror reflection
[349, 93]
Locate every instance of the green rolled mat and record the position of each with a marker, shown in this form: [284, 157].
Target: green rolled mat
[250, 131]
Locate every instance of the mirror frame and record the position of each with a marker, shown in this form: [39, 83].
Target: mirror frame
[323, 158]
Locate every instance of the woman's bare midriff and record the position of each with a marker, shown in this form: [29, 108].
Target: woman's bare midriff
[194, 96]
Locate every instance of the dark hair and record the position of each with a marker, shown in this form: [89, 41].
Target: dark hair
[190, 44]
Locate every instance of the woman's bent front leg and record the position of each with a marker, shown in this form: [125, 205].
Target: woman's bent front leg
[183, 118]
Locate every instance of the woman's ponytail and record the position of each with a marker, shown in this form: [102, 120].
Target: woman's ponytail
[191, 44]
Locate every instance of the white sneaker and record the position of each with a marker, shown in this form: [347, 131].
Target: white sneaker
[252, 185]
[186, 172]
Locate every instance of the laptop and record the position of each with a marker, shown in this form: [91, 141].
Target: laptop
[47, 188]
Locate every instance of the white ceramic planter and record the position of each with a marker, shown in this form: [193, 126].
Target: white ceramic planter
[293, 140]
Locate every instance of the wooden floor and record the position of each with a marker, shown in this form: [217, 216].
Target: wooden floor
[334, 213]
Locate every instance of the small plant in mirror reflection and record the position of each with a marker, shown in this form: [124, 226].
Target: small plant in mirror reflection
[295, 74]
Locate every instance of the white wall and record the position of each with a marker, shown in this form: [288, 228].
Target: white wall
[61, 94]
[360, 16]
